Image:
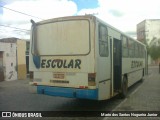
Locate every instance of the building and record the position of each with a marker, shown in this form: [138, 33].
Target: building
[148, 32]
[8, 63]
[13, 59]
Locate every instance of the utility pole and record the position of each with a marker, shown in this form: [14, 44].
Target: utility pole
[159, 67]
[145, 42]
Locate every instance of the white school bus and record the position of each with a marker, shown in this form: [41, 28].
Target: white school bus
[83, 57]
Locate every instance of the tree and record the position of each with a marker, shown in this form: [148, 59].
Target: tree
[154, 52]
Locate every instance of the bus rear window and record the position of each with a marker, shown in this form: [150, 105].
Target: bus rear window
[63, 38]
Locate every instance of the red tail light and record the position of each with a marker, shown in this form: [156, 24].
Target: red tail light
[35, 84]
[83, 87]
[91, 79]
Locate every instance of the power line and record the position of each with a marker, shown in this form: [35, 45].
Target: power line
[14, 27]
[20, 12]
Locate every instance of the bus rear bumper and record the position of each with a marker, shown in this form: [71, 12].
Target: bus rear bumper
[68, 92]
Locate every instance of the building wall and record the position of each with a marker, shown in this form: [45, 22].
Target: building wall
[153, 34]
[141, 32]
[21, 59]
[149, 30]
[9, 61]
[1, 66]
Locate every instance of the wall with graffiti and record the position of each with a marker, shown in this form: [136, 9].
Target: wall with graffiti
[9, 66]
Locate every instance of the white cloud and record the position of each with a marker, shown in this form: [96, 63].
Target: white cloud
[88, 11]
[44, 9]
[122, 14]
[125, 14]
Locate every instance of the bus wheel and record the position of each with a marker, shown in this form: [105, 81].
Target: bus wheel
[142, 79]
[124, 87]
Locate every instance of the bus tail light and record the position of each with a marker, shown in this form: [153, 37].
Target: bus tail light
[35, 84]
[83, 87]
[91, 79]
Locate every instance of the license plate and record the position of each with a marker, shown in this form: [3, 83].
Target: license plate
[58, 75]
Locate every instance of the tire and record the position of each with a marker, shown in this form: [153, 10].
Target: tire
[124, 88]
[142, 79]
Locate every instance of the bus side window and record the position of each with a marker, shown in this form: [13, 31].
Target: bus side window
[125, 46]
[103, 41]
[136, 50]
[140, 51]
[131, 48]
[143, 53]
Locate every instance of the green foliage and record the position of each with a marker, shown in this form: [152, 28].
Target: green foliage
[154, 52]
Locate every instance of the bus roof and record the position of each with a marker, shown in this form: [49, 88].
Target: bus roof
[88, 16]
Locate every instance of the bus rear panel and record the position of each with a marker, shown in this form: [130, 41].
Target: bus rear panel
[62, 58]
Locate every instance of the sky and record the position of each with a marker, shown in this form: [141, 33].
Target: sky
[122, 14]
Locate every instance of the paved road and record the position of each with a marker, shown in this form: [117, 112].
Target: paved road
[14, 96]
[145, 97]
